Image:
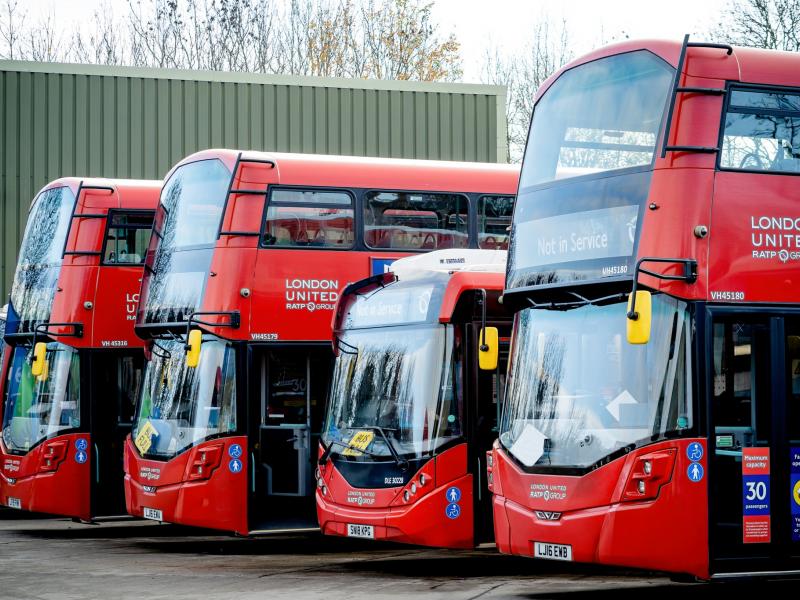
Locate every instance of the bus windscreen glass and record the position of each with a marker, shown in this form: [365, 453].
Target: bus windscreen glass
[578, 392]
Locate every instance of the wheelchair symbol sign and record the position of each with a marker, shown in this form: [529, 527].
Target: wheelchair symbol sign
[453, 511]
[694, 451]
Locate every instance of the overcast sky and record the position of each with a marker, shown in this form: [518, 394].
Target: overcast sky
[479, 24]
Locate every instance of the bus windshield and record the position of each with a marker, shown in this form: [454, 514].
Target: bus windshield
[578, 392]
[39, 408]
[181, 406]
[40, 256]
[599, 116]
[186, 227]
[398, 393]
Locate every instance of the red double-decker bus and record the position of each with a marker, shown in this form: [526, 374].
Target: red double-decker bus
[249, 256]
[413, 405]
[664, 432]
[72, 362]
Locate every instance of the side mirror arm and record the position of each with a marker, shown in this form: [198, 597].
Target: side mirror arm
[689, 275]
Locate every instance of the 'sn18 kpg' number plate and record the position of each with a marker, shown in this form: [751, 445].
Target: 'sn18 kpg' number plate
[152, 513]
[360, 531]
[552, 551]
[14, 503]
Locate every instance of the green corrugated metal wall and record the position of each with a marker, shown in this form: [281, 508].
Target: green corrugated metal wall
[59, 120]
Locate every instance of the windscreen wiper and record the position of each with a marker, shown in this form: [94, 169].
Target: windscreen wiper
[402, 463]
[579, 301]
[325, 455]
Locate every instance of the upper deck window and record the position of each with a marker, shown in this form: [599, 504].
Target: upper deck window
[309, 218]
[40, 255]
[127, 237]
[415, 221]
[762, 132]
[600, 116]
[494, 218]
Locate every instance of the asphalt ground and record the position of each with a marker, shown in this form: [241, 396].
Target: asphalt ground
[46, 558]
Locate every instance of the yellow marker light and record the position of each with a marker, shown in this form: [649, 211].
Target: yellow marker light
[488, 349]
[193, 348]
[640, 322]
[39, 354]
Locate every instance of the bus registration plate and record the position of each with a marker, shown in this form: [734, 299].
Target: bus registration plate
[154, 514]
[552, 551]
[361, 531]
[14, 502]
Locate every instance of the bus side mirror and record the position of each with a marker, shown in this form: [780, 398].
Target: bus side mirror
[488, 349]
[39, 359]
[640, 317]
[193, 348]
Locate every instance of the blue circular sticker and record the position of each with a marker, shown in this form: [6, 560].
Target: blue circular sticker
[235, 451]
[81, 444]
[694, 451]
[453, 511]
[80, 457]
[235, 465]
[453, 495]
[695, 472]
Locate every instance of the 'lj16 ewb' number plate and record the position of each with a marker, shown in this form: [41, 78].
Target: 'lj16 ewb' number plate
[14, 502]
[552, 551]
[152, 513]
[361, 531]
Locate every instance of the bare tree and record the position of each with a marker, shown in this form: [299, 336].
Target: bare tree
[403, 42]
[11, 29]
[343, 38]
[770, 24]
[45, 43]
[523, 74]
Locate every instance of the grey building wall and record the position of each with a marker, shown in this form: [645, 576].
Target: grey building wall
[61, 120]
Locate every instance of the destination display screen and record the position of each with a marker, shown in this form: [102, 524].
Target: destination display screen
[590, 235]
[577, 230]
[396, 304]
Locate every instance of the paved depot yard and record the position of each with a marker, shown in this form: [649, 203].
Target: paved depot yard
[55, 558]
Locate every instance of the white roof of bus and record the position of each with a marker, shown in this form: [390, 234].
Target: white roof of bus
[450, 260]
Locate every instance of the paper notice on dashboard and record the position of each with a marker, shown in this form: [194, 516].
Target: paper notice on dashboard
[529, 446]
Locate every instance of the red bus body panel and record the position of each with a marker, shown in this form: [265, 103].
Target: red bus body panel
[668, 532]
[217, 502]
[65, 487]
[421, 521]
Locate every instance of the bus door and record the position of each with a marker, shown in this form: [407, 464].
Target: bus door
[754, 447]
[115, 380]
[292, 386]
[484, 393]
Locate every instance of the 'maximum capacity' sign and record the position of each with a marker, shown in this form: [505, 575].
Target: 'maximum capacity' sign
[755, 495]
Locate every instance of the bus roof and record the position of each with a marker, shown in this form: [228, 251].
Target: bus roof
[120, 185]
[383, 173]
[751, 65]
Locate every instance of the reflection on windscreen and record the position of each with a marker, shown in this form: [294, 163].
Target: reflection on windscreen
[187, 223]
[600, 116]
[401, 380]
[38, 408]
[181, 406]
[577, 391]
[40, 256]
